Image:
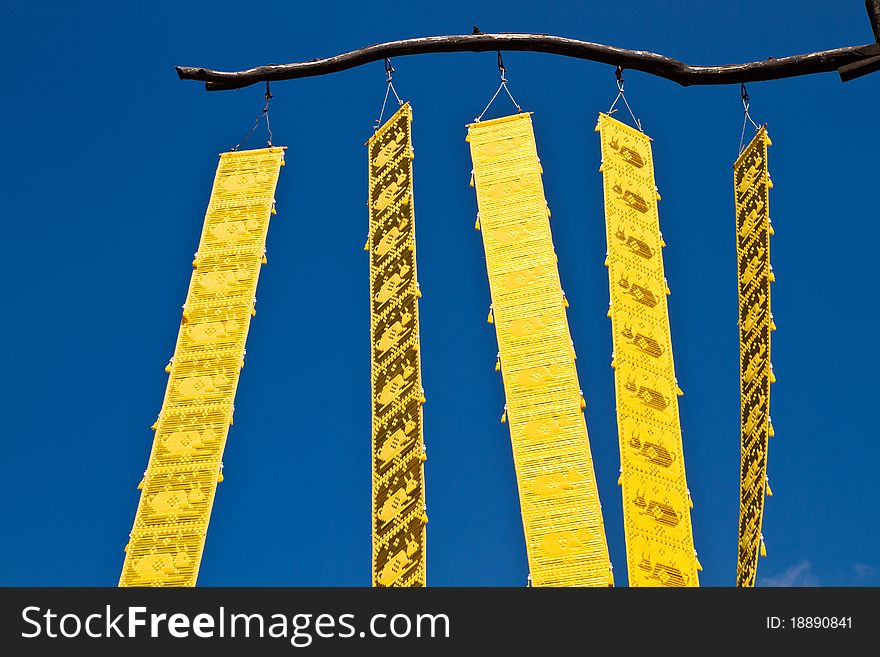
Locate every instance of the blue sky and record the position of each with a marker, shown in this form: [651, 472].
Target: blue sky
[106, 175]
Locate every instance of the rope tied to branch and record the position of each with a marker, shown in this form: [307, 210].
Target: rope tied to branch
[502, 70]
[389, 74]
[264, 113]
[618, 73]
[744, 94]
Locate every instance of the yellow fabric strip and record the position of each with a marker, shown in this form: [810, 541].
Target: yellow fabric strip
[562, 517]
[656, 502]
[165, 548]
[751, 190]
[399, 515]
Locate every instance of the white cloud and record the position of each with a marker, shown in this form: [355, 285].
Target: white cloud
[800, 574]
[865, 574]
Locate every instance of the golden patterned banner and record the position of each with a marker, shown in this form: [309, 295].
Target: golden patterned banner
[399, 515]
[165, 548]
[656, 501]
[751, 190]
[562, 517]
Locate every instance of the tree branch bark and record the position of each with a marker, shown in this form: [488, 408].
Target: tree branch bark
[638, 60]
[873, 8]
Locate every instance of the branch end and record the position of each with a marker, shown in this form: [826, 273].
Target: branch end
[858, 69]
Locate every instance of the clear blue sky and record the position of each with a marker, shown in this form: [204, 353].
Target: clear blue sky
[107, 168]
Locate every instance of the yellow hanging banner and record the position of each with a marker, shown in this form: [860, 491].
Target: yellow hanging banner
[656, 501]
[562, 516]
[399, 514]
[752, 194]
[165, 548]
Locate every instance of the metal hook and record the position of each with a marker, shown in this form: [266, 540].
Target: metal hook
[618, 73]
[389, 69]
[501, 68]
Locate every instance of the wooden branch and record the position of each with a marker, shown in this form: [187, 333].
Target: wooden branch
[860, 68]
[639, 60]
[871, 64]
[873, 7]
